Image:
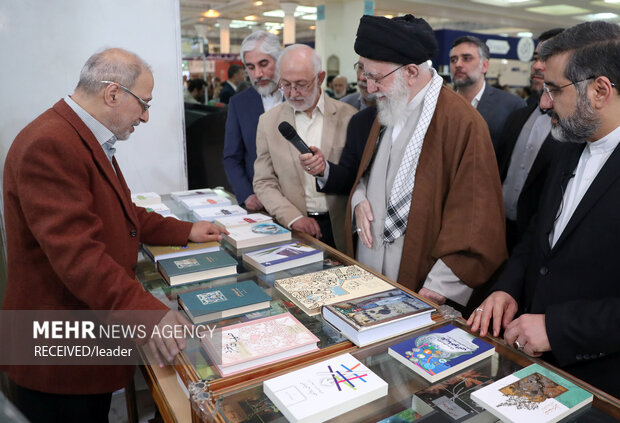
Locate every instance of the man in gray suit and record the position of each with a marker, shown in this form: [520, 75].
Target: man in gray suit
[469, 61]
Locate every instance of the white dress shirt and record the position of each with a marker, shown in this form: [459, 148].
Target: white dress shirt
[272, 100]
[476, 99]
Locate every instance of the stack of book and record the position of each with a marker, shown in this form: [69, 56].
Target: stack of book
[160, 252]
[143, 199]
[313, 290]
[256, 234]
[226, 301]
[211, 213]
[197, 267]
[244, 346]
[180, 195]
[231, 222]
[282, 257]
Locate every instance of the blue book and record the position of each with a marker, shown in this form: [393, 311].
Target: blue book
[225, 301]
[282, 257]
[441, 352]
[197, 267]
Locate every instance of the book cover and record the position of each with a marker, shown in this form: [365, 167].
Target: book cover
[160, 252]
[197, 267]
[259, 342]
[313, 290]
[224, 301]
[211, 213]
[160, 208]
[325, 390]
[282, 257]
[441, 352]
[178, 195]
[257, 234]
[234, 221]
[532, 394]
[205, 201]
[144, 199]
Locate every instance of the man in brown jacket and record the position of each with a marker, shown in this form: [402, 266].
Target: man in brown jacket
[427, 200]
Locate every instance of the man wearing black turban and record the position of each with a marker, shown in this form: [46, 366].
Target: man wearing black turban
[427, 199]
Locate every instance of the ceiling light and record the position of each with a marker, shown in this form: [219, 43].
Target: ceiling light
[309, 17]
[525, 34]
[612, 1]
[506, 3]
[274, 31]
[313, 27]
[388, 16]
[558, 10]
[598, 16]
[250, 18]
[258, 3]
[211, 13]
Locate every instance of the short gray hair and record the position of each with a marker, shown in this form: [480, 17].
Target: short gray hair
[264, 41]
[316, 60]
[112, 64]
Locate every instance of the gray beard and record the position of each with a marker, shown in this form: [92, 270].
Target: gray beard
[308, 102]
[392, 107]
[580, 126]
[463, 83]
[267, 90]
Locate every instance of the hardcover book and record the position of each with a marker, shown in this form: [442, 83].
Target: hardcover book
[211, 213]
[198, 202]
[441, 352]
[313, 290]
[282, 257]
[325, 390]
[532, 394]
[143, 199]
[247, 345]
[160, 252]
[257, 234]
[223, 302]
[234, 221]
[197, 267]
[379, 316]
[203, 192]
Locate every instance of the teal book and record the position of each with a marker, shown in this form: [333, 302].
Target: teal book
[223, 302]
[197, 267]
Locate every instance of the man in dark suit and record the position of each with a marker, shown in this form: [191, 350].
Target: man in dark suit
[73, 233]
[562, 278]
[229, 88]
[469, 61]
[525, 155]
[259, 52]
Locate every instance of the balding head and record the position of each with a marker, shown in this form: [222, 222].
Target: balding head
[300, 74]
[339, 86]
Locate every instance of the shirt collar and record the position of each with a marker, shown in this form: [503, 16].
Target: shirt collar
[606, 144]
[232, 85]
[101, 133]
[476, 99]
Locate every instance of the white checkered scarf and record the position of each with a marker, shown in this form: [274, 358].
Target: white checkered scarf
[402, 189]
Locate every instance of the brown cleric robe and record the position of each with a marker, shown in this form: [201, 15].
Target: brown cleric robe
[457, 211]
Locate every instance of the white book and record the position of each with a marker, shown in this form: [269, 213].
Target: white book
[160, 208]
[211, 213]
[179, 195]
[143, 199]
[235, 221]
[325, 390]
[257, 234]
[193, 203]
[282, 257]
[532, 394]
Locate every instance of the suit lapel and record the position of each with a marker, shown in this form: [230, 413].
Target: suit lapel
[608, 174]
[329, 126]
[485, 101]
[256, 103]
[99, 157]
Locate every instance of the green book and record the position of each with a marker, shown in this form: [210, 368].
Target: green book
[197, 267]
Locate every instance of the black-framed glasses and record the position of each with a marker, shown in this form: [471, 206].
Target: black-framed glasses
[376, 78]
[143, 103]
[550, 90]
[297, 85]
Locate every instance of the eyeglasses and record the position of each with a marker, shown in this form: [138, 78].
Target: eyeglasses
[299, 86]
[554, 90]
[143, 103]
[376, 78]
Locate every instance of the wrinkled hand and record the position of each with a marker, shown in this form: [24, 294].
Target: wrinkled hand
[500, 306]
[433, 296]
[309, 226]
[314, 164]
[531, 332]
[253, 203]
[167, 348]
[205, 231]
[363, 217]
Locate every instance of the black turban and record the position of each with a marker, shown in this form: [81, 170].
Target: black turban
[403, 40]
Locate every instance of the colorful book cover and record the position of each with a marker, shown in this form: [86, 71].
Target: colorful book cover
[294, 254]
[532, 394]
[257, 234]
[205, 201]
[441, 352]
[377, 309]
[195, 263]
[160, 252]
[313, 290]
[269, 338]
[234, 221]
[325, 390]
[213, 300]
[211, 213]
[179, 195]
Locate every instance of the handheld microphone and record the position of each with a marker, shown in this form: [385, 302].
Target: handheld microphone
[288, 132]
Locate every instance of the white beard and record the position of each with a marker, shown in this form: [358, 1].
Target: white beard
[267, 89]
[391, 107]
[308, 101]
